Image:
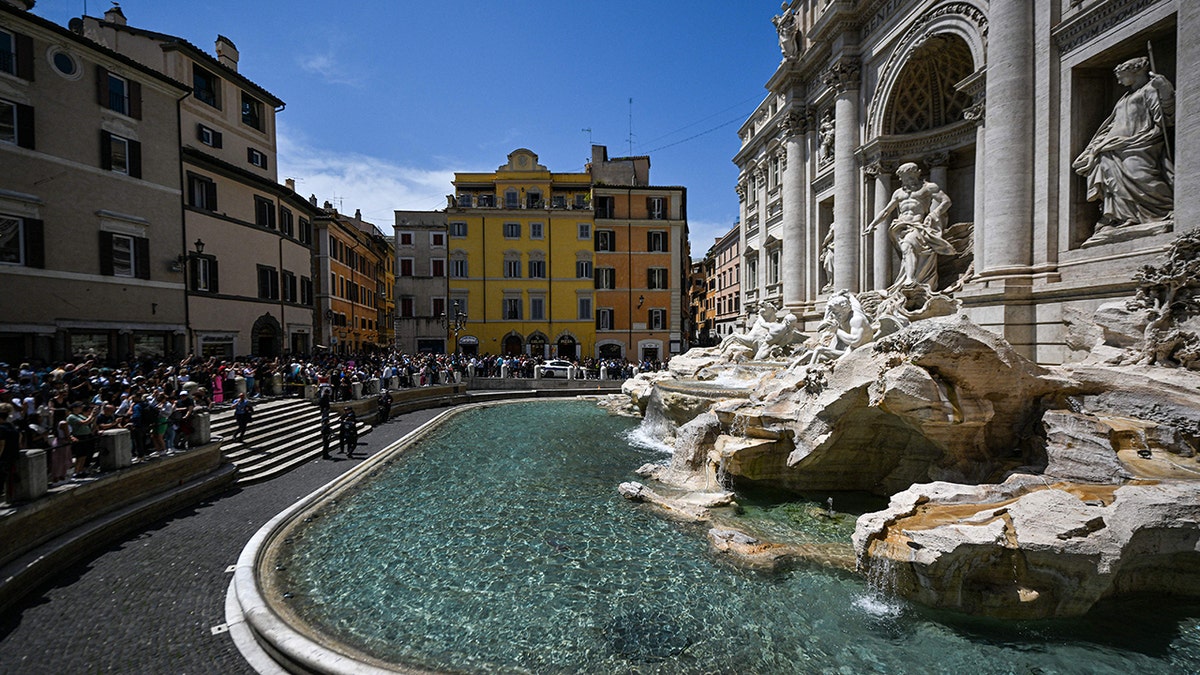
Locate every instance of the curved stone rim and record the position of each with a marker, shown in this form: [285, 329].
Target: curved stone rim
[274, 643]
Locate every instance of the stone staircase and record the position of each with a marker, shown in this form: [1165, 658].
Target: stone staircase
[283, 434]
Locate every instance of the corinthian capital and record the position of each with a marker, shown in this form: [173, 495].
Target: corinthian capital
[975, 113]
[844, 75]
[794, 123]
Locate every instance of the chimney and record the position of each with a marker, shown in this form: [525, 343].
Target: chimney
[227, 53]
[20, 4]
[290, 183]
[358, 214]
[312, 199]
[115, 15]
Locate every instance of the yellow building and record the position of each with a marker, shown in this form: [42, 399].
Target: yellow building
[520, 260]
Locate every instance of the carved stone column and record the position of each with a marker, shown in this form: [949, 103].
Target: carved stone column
[1007, 227]
[844, 78]
[939, 165]
[1187, 119]
[881, 270]
[792, 164]
[976, 114]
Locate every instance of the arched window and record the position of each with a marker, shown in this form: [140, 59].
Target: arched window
[924, 96]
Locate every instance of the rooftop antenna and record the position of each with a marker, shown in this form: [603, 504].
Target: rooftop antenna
[631, 126]
[589, 133]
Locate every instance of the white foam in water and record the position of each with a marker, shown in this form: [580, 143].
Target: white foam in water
[878, 605]
[641, 437]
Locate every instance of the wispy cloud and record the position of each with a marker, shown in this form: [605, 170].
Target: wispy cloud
[328, 67]
[704, 233]
[352, 181]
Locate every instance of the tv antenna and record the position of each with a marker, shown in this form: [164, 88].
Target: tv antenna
[589, 133]
[631, 125]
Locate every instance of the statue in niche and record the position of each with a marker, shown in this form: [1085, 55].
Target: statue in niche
[1127, 163]
[789, 33]
[826, 138]
[826, 258]
[768, 337]
[917, 229]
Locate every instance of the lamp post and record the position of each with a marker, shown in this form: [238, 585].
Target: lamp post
[454, 324]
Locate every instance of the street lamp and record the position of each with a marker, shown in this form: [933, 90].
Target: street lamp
[455, 323]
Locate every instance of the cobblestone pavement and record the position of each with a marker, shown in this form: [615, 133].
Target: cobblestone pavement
[147, 604]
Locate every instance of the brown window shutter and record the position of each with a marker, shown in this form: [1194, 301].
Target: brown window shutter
[217, 139]
[106, 253]
[211, 188]
[25, 127]
[105, 150]
[135, 159]
[24, 57]
[212, 276]
[35, 243]
[141, 256]
[135, 99]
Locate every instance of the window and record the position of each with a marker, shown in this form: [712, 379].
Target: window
[437, 267]
[487, 200]
[16, 124]
[605, 207]
[21, 241]
[268, 283]
[406, 306]
[305, 231]
[773, 268]
[256, 158]
[606, 278]
[289, 286]
[204, 274]
[580, 200]
[458, 229]
[252, 111]
[511, 199]
[512, 268]
[656, 207]
[207, 136]
[583, 269]
[537, 308]
[124, 256]
[438, 306]
[458, 268]
[306, 291]
[406, 238]
[535, 230]
[264, 213]
[437, 239]
[656, 241]
[120, 155]
[585, 231]
[512, 308]
[558, 201]
[752, 273]
[8, 53]
[65, 64]
[16, 54]
[604, 319]
[512, 230]
[656, 278]
[206, 87]
[657, 319]
[537, 269]
[118, 94]
[583, 309]
[464, 200]
[202, 192]
[406, 267]
[533, 200]
[606, 240]
[286, 222]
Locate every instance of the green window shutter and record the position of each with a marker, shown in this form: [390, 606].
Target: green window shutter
[141, 256]
[35, 243]
[106, 253]
[105, 150]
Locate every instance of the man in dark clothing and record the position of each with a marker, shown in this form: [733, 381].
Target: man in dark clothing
[348, 433]
[10, 451]
[385, 407]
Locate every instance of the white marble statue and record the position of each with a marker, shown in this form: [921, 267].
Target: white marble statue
[785, 24]
[844, 328]
[1127, 163]
[826, 137]
[826, 258]
[768, 337]
[917, 229]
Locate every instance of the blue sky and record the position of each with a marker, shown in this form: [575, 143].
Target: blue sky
[386, 100]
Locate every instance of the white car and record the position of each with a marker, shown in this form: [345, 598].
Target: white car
[556, 368]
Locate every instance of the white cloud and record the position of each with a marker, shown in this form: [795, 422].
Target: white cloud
[328, 68]
[704, 233]
[352, 181]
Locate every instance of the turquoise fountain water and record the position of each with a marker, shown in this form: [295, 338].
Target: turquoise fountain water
[499, 544]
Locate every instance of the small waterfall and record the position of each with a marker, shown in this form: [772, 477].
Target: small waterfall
[879, 599]
[656, 432]
[722, 474]
[738, 426]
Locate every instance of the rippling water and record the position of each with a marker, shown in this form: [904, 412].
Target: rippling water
[499, 544]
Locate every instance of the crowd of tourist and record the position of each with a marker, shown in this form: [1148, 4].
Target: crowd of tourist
[62, 408]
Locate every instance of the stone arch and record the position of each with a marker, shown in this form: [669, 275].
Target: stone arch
[512, 344]
[566, 345]
[925, 98]
[962, 20]
[537, 341]
[266, 336]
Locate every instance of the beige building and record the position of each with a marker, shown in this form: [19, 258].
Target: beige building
[250, 290]
[90, 227]
[995, 102]
[425, 311]
[723, 264]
